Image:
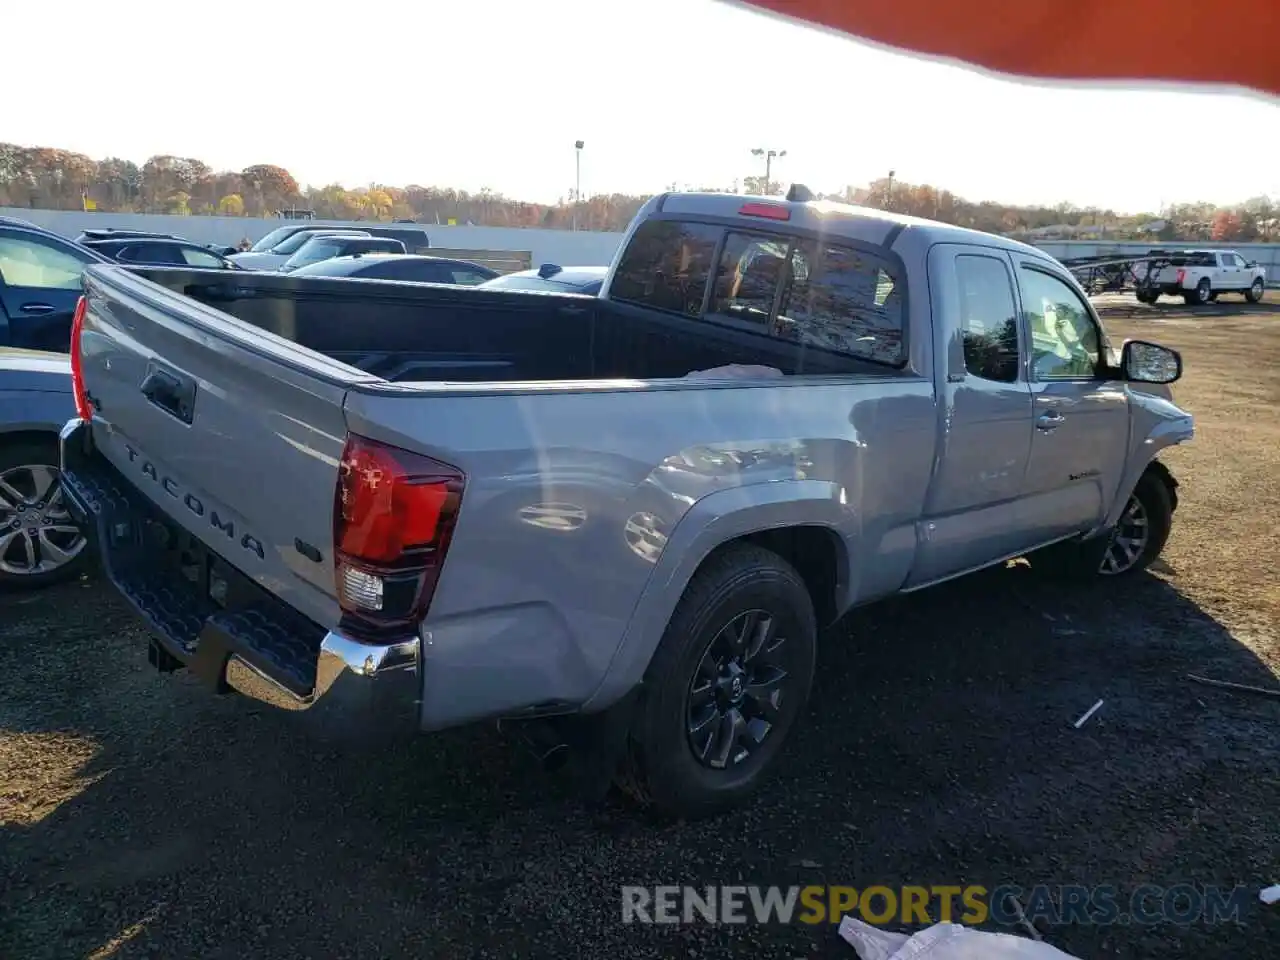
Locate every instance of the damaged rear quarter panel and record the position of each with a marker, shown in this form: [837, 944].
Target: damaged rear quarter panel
[576, 497]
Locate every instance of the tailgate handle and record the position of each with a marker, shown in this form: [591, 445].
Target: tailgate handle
[170, 392]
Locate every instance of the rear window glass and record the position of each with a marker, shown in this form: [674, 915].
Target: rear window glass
[845, 300]
[667, 265]
[321, 250]
[821, 295]
[747, 278]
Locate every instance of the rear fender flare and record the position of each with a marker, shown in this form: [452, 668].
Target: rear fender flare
[713, 521]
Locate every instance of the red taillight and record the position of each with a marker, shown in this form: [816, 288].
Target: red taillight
[394, 512]
[84, 409]
[1182, 274]
[770, 211]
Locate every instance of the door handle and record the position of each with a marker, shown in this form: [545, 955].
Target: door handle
[171, 393]
[1049, 421]
[36, 308]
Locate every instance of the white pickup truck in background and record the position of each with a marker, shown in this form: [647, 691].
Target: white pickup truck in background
[1200, 275]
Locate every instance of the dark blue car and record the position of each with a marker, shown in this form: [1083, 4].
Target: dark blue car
[39, 286]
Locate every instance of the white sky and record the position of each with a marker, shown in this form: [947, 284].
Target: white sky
[494, 93]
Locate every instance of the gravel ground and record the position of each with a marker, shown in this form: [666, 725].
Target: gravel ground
[141, 817]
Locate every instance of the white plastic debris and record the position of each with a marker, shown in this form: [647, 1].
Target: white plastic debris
[943, 941]
[736, 371]
[1270, 895]
[1088, 713]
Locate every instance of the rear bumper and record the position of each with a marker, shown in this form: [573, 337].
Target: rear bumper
[259, 646]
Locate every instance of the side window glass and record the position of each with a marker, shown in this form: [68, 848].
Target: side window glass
[467, 278]
[988, 318]
[667, 265]
[747, 277]
[1064, 338]
[844, 300]
[30, 263]
[198, 258]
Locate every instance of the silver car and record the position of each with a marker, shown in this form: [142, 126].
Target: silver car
[39, 543]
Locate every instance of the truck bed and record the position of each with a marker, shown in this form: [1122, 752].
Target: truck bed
[425, 332]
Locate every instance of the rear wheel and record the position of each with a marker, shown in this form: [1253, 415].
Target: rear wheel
[1202, 293]
[727, 683]
[1254, 293]
[39, 542]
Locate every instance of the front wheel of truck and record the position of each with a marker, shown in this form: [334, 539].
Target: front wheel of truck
[1132, 545]
[725, 687]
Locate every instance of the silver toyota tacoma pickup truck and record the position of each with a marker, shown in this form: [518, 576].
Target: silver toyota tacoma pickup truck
[423, 504]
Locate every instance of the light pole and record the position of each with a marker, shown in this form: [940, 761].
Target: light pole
[889, 199]
[768, 163]
[577, 180]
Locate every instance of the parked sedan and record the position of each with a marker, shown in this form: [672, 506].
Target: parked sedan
[274, 258]
[39, 286]
[553, 278]
[407, 267]
[318, 249]
[39, 543]
[162, 251]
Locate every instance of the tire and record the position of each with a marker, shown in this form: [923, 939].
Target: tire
[1201, 294]
[1149, 510]
[740, 586]
[1254, 293]
[1144, 296]
[60, 553]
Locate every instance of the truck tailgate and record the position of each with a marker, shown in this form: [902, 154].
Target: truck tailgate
[233, 433]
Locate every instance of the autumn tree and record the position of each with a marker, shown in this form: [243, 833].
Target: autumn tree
[45, 177]
[1226, 226]
[268, 188]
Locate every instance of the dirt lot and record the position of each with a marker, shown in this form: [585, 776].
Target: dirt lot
[140, 817]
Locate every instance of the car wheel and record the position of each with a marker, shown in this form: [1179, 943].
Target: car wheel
[729, 680]
[39, 542]
[1254, 293]
[1132, 546]
[1201, 294]
[1142, 531]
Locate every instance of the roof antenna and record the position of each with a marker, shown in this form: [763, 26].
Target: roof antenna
[799, 193]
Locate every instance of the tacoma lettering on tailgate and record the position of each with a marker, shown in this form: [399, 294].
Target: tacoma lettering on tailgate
[195, 505]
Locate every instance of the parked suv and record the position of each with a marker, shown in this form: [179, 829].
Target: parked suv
[324, 248]
[414, 238]
[276, 257]
[161, 251]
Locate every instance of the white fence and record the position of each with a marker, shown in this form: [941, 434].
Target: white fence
[564, 247]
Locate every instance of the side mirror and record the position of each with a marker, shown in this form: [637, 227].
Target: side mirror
[1144, 362]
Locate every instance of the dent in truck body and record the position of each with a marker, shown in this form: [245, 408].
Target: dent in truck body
[527, 613]
[1156, 423]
